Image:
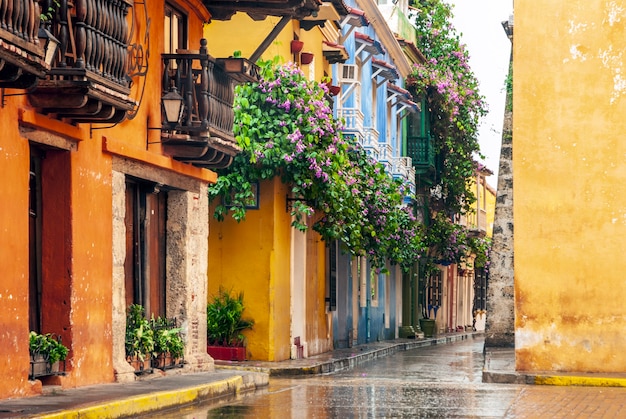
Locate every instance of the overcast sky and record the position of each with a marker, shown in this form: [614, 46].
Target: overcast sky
[479, 22]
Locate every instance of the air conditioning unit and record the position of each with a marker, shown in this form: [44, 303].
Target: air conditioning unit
[349, 73]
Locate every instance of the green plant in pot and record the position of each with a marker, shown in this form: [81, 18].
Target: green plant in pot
[49, 347]
[168, 343]
[139, 334]
[45, 351]
[225, 323]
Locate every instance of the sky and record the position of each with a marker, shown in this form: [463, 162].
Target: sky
[479, 23]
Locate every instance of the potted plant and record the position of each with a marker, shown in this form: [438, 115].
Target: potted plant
[169, 346]
[46, 351]
[430, 297]
[225, 323]
[306, 58]
[139, 338]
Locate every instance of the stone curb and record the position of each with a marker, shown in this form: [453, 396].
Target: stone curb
[146, 403]
[499, 368]
[353, 359]
[552, 380]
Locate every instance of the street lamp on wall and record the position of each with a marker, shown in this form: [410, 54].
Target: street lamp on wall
[50, 44]
[172, 104]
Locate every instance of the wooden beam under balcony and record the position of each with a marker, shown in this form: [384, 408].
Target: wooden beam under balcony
[259, 10]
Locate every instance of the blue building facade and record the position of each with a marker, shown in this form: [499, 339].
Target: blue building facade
[373, 104]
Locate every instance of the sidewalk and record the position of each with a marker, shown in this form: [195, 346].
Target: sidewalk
[500, 368]
[230, 378]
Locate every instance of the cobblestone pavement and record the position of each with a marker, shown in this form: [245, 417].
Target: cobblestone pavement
[568, 402]
[450, 376]
[443, 381]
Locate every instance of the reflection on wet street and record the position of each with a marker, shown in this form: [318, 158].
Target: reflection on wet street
[442, 381]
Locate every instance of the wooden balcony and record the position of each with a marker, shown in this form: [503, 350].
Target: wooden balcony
[476, 222]
[353, 122]
[204, 134]
[422, 153]
[21, 52]
[88, 81]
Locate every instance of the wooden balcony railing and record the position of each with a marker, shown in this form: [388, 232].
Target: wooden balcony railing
[204, 135]
[353, 122]
[88, 81]
[370, 143]
[422, 153]
[476, 222]
[21, 52]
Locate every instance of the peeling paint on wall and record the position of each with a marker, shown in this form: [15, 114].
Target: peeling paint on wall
[614, 13]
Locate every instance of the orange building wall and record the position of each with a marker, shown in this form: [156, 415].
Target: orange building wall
[79, 265]
[14, 358]
[570, 194]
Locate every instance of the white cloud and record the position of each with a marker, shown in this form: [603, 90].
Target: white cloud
[479, 22]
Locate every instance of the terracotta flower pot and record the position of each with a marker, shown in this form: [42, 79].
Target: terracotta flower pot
[334, 90]
[227, 353]
[296, 46]
[306, 58]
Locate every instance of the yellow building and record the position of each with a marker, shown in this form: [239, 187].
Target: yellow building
[281, 270]
[569, 101]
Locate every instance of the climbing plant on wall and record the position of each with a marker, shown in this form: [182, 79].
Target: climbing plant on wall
[455, 107]
[452, 96]
[285, 127]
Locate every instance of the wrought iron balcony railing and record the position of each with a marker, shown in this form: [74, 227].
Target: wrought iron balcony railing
[21, 51]
[203, 135]
[88, 81]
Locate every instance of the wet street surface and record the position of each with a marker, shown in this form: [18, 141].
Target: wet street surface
[442, 381]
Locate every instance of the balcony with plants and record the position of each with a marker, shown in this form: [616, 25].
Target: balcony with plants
[294, 135]
[88, 79]
[23, 43]
[198, 94]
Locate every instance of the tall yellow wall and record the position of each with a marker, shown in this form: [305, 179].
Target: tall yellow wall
[569, 102]
[491, 209]
[264, 237]
[253, 256]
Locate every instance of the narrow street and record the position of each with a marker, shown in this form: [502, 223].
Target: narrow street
[442, 381]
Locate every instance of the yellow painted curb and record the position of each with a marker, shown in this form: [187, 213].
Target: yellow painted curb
[154, 401]
[580, 381]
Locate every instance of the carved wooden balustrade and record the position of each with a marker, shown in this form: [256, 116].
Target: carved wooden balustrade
[21, 52]
[88, 81]
[204, 135]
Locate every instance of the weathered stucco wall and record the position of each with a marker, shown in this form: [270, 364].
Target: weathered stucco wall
[570, 196]
[79, 260]
[253, 256]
